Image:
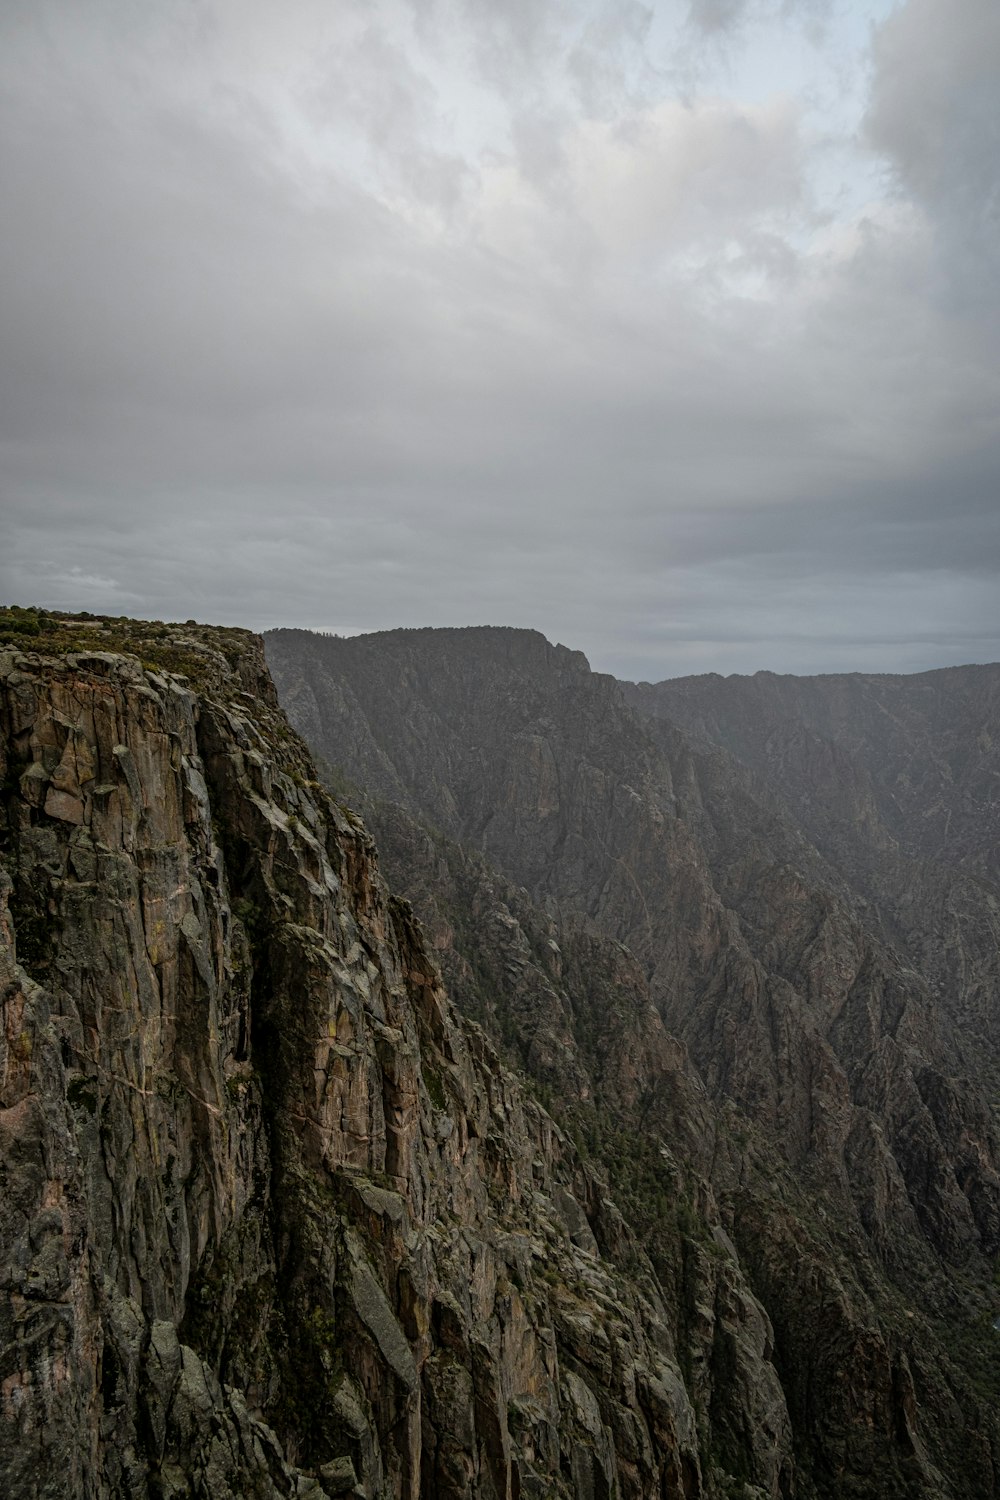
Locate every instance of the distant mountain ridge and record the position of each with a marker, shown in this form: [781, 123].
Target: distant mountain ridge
[928, 742]
[755, 862]
[896, 780]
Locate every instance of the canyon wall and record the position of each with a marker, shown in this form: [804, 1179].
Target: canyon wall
[275, 1219]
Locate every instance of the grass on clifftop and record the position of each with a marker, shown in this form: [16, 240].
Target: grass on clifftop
[160, 646]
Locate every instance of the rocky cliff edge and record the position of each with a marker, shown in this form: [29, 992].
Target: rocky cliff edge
[274, 1221]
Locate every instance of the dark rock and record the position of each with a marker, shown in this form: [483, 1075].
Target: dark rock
[804, 882]
[274, 1220]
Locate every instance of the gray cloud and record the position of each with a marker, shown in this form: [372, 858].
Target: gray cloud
[382, 315]
[935, 114]
[716, 15]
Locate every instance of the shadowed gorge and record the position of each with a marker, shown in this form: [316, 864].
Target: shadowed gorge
[275, 1220]
[613, 1148]
[861, 1134]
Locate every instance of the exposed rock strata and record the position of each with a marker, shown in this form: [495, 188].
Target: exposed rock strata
[857, 1171]
[274, 1221]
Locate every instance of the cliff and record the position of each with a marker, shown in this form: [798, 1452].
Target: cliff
[275, 1219]
[844, 1127]
[895, 780]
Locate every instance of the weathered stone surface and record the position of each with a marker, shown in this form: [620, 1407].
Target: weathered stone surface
[809, 1076]
[274, 1220]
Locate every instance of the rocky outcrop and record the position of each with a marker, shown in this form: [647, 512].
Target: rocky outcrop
[275, 1220]
[850, 1149]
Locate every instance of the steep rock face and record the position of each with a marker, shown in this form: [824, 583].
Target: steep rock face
[274, 1221]
[895, 780]
[767, 957]
[759, 953]
[924, 747]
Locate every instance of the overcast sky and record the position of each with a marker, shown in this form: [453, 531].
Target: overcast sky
[669, 329]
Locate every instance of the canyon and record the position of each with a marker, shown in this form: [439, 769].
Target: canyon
[432, 1068]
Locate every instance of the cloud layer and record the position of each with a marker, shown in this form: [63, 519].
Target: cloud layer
[670, 332]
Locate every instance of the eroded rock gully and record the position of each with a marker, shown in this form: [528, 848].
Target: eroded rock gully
[274, 1219]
